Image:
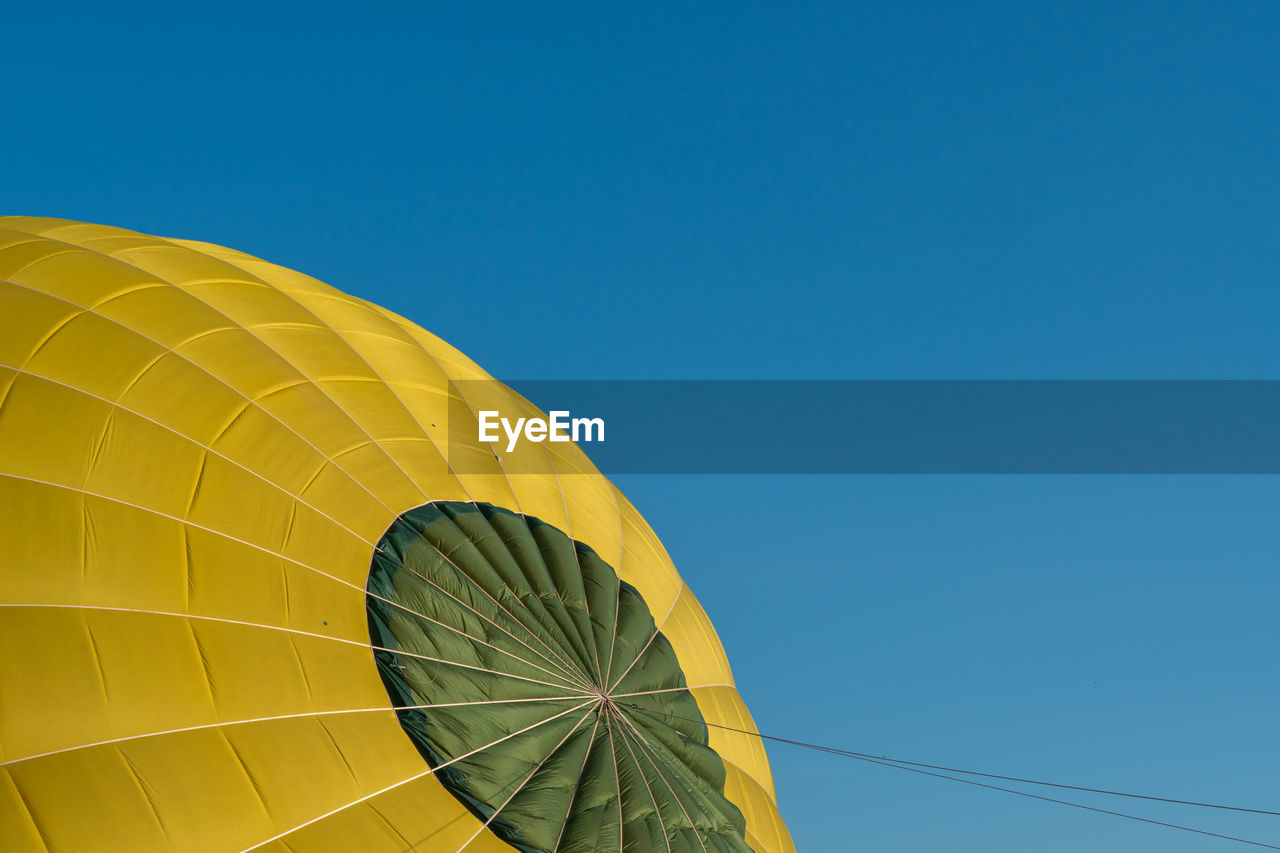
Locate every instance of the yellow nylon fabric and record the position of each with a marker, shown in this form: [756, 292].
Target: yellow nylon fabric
[198, 451]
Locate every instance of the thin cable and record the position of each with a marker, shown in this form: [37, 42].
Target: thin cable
[914, 767]
[851, 754]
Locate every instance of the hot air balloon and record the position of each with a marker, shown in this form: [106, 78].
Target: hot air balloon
[259, 592]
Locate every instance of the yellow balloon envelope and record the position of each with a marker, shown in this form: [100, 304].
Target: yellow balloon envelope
[254, 595]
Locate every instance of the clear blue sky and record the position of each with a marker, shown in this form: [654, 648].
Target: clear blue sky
[989, 190]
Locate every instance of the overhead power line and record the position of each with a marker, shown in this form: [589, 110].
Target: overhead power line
[931, 770]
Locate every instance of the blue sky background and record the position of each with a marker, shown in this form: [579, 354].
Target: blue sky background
[923, 190]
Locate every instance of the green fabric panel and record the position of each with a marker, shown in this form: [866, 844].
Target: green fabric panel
[506, 648]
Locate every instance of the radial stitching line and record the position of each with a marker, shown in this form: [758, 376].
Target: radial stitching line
[687, 687]
[547, 621]
[309, 310]
[510, 486]
[298, 563]
[244, 328]
[573, 623]
[413, 778]
[400, 652]
[416, 656]
[551, 625]
[272, 718]
[298, 631]
[576, 677]
[743, 771]
[578, 785]
[652, 755]
[617, 778]
[577, 558]
[526, 781]
[485, 592]
[613, 641]
[666, 836]
[305, 380]
[425, 618]
[315, 381]
[568, 672]
[408, 340]
[586, 603]
[657, 629]
[466, 538]
[205, 447]
[364, 645]
[586, 642]
[693, 793]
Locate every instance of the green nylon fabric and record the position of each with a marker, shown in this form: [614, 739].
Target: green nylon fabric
[512, 623]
